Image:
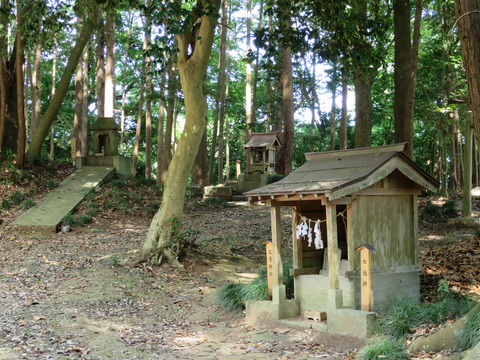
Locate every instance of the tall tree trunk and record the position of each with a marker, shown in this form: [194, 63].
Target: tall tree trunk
[78, 116]
[22, 131]
[33, 152]
[333, 125]
[101, 66]
[54, 79]
[148, 98]
[363, 110]
[248, 67]
[84, 133]
[160, 129]
[286, 151]
[220, 95]
[468, 24]
[138, 131]
[405, 72]
[2, 93]
[126, 88]
[81, 103]
[344, 118]
[36, 106]
[192, 67]
[170, 108]
[313, 102]
[110, 65]
[200, 169]
[255, 71]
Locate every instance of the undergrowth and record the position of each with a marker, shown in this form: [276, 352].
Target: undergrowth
[234, 296]
[384, 348]
[401, 315]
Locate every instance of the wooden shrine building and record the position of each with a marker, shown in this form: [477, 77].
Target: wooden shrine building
[262, 150]
[341, 200]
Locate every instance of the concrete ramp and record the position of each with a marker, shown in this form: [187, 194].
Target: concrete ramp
[49, 213]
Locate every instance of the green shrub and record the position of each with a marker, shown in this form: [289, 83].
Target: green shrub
[6, 204]
[431, 209]
[27, 204]
[398, 317]
[83, 219]
[117, 183]
[450, 208]
[384, 348]
[16, 197]
[470, 335]
[52, 184]
[91, 212]
[90, 197]
[255, 290]
[69, 219]
[229, 296]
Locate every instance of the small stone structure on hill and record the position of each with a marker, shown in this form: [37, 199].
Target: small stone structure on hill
[105, 148]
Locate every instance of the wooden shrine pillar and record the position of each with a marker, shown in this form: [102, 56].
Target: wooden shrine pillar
[335, 297]
[278, 291]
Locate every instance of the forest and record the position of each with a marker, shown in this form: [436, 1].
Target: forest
[140, 269]
[327, 76]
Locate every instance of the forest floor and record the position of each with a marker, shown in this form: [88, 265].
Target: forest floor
[71, 295]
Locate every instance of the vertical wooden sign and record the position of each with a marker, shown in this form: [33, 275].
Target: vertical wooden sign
[366, 276]
[269, 251]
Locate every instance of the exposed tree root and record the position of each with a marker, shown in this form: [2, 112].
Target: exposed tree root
[443, 339]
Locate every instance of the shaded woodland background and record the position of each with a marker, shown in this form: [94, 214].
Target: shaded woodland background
[349, 84]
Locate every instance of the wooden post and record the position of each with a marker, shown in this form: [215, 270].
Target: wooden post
[332, 246]
[366, 276]
[277, 246]
[269, 251]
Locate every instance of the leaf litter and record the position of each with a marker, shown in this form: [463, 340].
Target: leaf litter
[71, 295]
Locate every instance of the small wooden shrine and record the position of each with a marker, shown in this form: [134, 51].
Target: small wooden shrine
[340, 201]
[262, 150]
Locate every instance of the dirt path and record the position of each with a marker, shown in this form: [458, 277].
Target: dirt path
[69, 296]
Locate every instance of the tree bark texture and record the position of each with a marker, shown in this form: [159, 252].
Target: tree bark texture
[36, 105]
[22, 130]
[344, 118]
[34, 150]
[285, 156]
[148, 98]
[101, 66]
[363, 111]
[192, 67]
[405, 72]
[110, 66]
[401, 19]
[468, 24]
[200, 169]
[248, 70]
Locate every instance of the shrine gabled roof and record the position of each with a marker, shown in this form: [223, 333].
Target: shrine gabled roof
[335, 174]
[266, 140]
